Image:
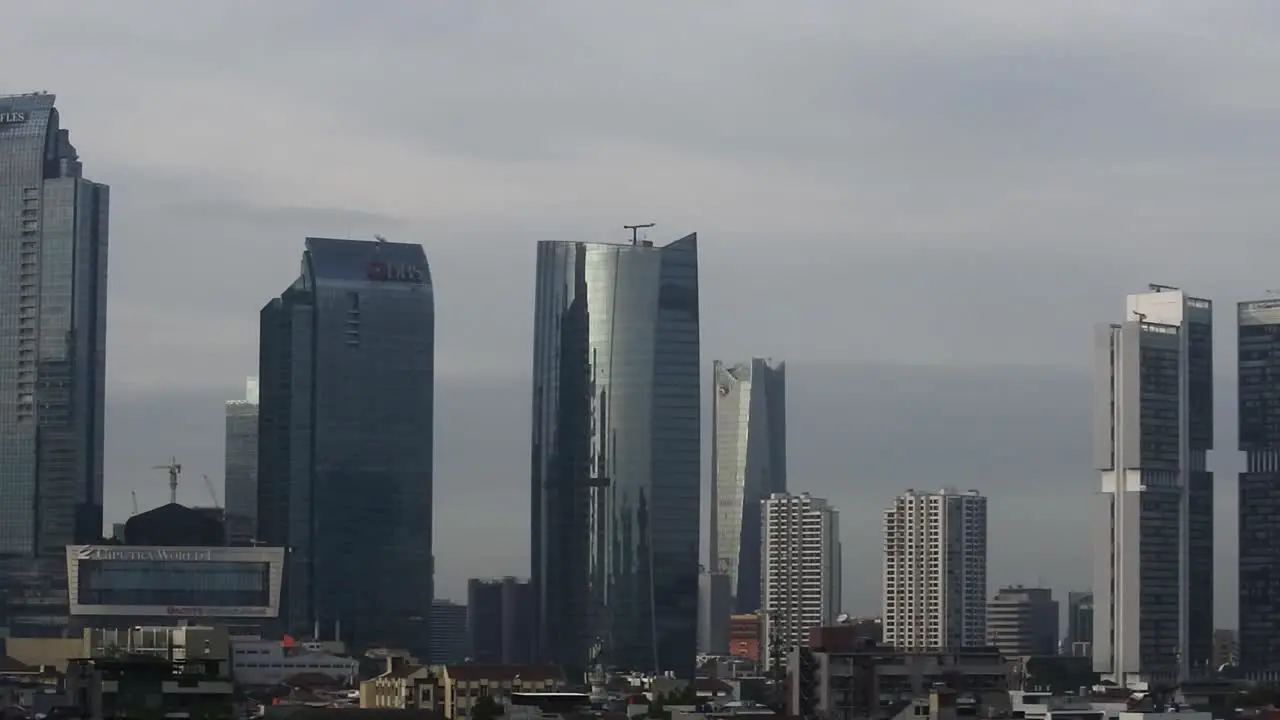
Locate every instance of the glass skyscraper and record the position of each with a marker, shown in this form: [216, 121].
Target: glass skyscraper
[748, 464]
[615, 452]
[346, 373]
[1258, 341]
[1153, 428]
[53, 302]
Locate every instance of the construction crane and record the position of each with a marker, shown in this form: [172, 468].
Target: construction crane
[174, 471]
[208, 484]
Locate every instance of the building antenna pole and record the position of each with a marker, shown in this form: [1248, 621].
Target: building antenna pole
[635, 231]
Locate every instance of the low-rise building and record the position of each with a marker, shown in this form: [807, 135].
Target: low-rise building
[148, 686]
[462, 685]
[260, 663]
[404, 685]
[874, 679]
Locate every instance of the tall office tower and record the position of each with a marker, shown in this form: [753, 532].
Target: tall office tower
[800, 567]
[1258, 339]
[748, 464]
[616, 448]
[714, 611]
[448, 636]
[240, 471]
[1079, 624]
[1153, 554]
[1023, 621]
[500, 621]
[53, 301]
[346, 371]
[935, 570]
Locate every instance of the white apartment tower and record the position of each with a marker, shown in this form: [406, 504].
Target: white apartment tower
[800, 565]
[935, 570]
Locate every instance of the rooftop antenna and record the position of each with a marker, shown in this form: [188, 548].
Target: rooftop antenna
[379, 238]
[635, 231]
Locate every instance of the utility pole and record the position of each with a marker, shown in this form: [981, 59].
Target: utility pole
[635, 231]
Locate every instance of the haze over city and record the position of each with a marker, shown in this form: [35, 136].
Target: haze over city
[922, 207]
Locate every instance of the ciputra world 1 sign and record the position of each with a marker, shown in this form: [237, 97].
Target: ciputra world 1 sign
[12, 118]
[393, 272]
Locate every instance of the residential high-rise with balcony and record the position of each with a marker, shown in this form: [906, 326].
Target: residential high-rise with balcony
[240, 469]
[1258, 338]
[800, 567]
[748, 464]
[616, 454]
[53, 302]
[346, 383]
[1153, 428]
[935, 570]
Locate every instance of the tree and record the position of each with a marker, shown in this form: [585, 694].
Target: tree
[658, 708]
[486, 708]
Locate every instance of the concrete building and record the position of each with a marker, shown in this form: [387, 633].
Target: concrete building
[745, 633]
[616, 453]
[935, 570]
[1258, 359]
[748, 464]
[800, 567]
[1153, 427]
[53, 257]
[867, 681]
[448, 640]
[1079, 624]
[714, 602]
[240, 470]
[500, 621]
[1023, 621]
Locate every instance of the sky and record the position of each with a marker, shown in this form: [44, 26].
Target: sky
[924, 207]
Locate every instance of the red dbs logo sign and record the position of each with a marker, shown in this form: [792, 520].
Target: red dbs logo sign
[393, 272]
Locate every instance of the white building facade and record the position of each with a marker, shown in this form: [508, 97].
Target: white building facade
[800, 566]
[935, 570]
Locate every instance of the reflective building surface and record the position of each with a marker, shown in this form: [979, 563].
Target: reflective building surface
[615, 454]
[748, 464]
[346, 373]
[1153, 558]
[1259, 403]
[53, 301]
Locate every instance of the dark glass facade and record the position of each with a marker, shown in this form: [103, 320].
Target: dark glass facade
[53, 253]
[616, 454]
[346, 373]
[1153, 573]
[148, 582]
[1258, 343]
[500, 625]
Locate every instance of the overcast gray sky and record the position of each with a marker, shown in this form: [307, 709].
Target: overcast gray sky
[923, 205]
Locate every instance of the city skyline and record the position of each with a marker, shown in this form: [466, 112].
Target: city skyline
[915, 196]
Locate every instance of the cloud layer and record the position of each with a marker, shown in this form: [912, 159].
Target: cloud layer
[948, 184]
